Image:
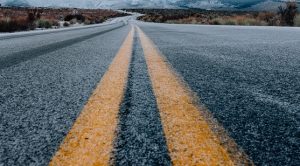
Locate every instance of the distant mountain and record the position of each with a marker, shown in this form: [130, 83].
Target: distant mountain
[266, 5]
[204, 4]
[16, 3]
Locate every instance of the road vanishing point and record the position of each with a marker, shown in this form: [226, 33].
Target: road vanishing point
[135, 93]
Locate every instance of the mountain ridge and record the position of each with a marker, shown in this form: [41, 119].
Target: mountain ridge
[115, 4]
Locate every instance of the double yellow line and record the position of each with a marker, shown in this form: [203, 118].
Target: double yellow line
[90, 141]
[189, 135]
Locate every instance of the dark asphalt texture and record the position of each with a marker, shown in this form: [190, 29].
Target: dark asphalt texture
[140, 139]
[19, 57]
[23, 43]
[41, 96]
[248, 77]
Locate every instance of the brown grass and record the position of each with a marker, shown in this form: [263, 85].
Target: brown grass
[221, 20]
[13, 24]
[297, 20]
[20, 19]
[196, 16]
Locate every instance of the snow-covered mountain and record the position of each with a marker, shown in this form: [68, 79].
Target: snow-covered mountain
[206, 4]
[266, 5]
[22, 3]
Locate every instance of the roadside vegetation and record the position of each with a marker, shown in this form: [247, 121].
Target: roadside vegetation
[297, 20]
[23, 19]
[285, 16]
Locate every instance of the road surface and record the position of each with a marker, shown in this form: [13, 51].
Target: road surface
[133, 93]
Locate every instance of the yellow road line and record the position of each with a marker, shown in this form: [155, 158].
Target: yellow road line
[189, 137]
[90, 141]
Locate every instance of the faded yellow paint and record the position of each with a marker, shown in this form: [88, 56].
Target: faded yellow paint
[189, 138]
[90, 141]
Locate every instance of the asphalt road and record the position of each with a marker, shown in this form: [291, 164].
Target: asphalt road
[44, 91]
[247, 77]
[140, 138]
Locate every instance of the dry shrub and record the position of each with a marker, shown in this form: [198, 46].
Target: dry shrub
[87, 22]
[270, 18]
[287, 16]
[238, 20]
[45, 23]
[19, 19]
[54, 23]
[249, 20]
[225, 20]
[188, 20]
[13, 24]
[297, 20]
[73, 21]
[230, 22]
[66, 24]
[288, 13]
[218, 21]
[209, 17]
